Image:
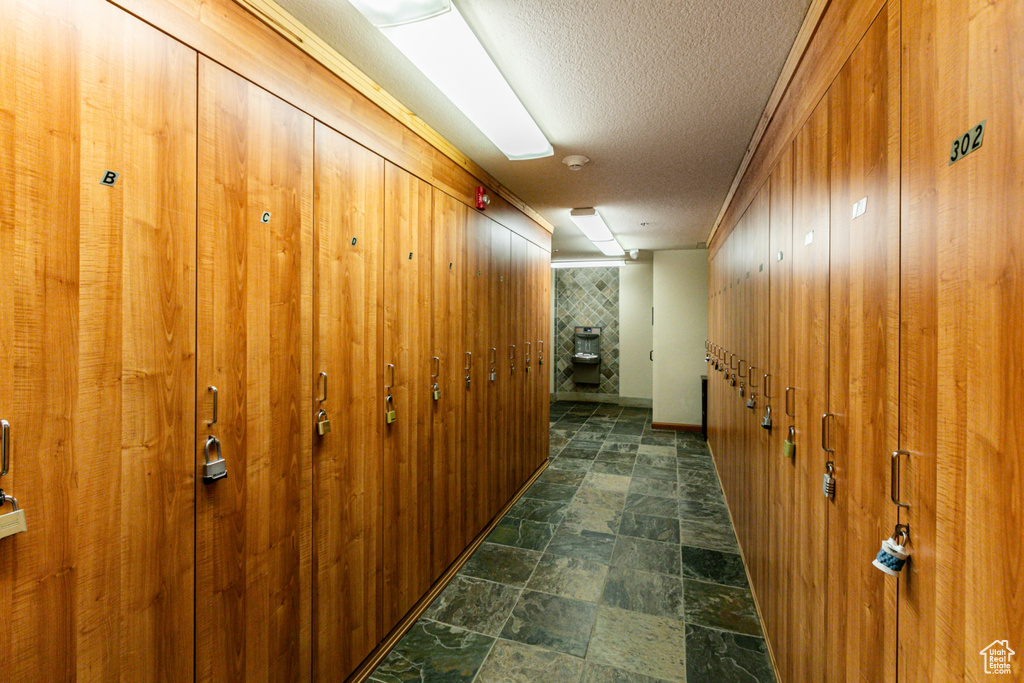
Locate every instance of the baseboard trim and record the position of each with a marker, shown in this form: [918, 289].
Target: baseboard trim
[677, 427]
[610, 399]
[384, 649]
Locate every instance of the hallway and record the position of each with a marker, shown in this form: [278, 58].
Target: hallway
[618, 565]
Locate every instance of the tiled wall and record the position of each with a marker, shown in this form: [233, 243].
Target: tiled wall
[587, 297]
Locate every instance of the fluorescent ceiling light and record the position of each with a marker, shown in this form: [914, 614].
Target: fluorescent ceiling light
[591, 225]
[610, 248]
[587, 264]
[384, 13]
[448, 53]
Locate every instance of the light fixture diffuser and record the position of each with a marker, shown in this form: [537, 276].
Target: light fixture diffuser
[591, 224]
[610, 248]
[385, 13]
[587, 264]
[445, 49]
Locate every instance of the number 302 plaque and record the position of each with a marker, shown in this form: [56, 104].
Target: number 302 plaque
[967, 143]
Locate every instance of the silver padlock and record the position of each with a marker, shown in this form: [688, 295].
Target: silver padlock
[494, 375]
[13, 522]
[743, 389]
[828, 483]
[469, 381]
[216, 468]
[766, 421]
[752, 401]
[436, 392]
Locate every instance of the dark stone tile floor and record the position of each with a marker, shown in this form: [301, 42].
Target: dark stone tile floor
[619, 565]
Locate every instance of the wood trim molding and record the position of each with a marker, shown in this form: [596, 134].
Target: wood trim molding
[803, 38]
[385, 647]
[670, 426]
[295, 32]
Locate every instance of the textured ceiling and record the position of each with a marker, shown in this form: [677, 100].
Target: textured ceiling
[662, 95]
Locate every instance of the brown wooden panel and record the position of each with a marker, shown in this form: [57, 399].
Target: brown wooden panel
[408, 207]
[478, 422]
[781, 470]
[96, 344]
[838, 32]
[863, 356]
[542, 317]
[227, 33]
[447, 497]
[960, 378]
[809, 328]
[255, 343]
[349, 210]
[513, 310]
[500, 387]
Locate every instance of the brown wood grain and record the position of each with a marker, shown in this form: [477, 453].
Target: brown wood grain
[347, 478]
[479, 395]
[864, 352]
[501, 413]
[809, 328]
[96, 344]
[255, 343]
[518, 412]
[227, 33]
[447, 498]
[961, 287]
[781, 470]
[408, 208]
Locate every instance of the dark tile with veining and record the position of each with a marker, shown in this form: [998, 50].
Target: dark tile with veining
[582, 517]
[712, 512]
[616, 447]
[512, 662]
[474, 604]
[502, 564]
[647, 592]
[722, 607]
[654, 487]
[621, 468]
[570, 577]
[650, 472]
[551, 622]
[587, 545]
[719, 656]
[537, 510]
[649, 527]
[571, 451]
[562, 477]
[546, 491]
[521, 533]
[563, 462]
[650, 556]
[711, 535]
[434, 652]
[651, 505]
[714, 566]
[599, 673]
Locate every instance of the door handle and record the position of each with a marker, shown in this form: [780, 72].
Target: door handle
[214, 390]
[825, 440]
[894, 480]
[5, 447]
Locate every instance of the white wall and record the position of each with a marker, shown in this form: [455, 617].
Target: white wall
[680, 328]
[636, 334]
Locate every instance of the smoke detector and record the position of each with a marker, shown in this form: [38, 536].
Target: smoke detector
[575, 161]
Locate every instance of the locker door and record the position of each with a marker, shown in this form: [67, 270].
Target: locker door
[781, 471]
[500, 349]
[407, 346]
[542, 315]
[97, 343]
[863, 354]
[517, 369]
[347, 462]
[447, 493]
[962, 285]
[479, 400]
[254, 345]
[809, 329]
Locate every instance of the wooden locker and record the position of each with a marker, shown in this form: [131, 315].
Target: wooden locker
[448, 412]
[255, 322]
[514, 311]
[407, 353]
[962, 284]
[863, 357]
[782, 471]
[543, 316]
[479, 399]
[500, 350]
[97, 343]
[347, 461]
[809, 371]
